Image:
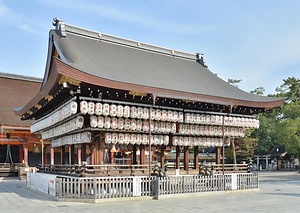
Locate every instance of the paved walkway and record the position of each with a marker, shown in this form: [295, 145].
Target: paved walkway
[279, 192]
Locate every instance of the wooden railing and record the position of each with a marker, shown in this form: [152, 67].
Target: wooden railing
[104, 187]
[9, 169]
[208, 169]
[96, 170]
[122, 187]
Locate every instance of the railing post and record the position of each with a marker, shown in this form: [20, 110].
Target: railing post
[156, 184]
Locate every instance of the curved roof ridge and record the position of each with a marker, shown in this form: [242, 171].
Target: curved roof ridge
[123, 41]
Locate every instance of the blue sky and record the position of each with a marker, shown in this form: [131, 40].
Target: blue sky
[256, 41]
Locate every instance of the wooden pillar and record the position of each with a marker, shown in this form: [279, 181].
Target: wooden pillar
[62, 155]
[196, 157]
[72, 149]
[51, 155]
[92, 155]
[177, 157]
[218, 155]
[97, 154]
[186, 158]
[134, 159]
[162, 156]
[83, 152]
[111, 157]
[26, 152]
[79, 154]
[142, 155]
[21, 153]
[45, 156]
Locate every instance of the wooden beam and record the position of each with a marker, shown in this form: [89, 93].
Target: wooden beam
[196, 157]
[177, 157]
[218, 155]
[186, 158]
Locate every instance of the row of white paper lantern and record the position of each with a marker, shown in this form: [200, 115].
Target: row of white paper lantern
[114, 110]
[69, 126]
[83, 137]
[198, 141]
[131, 124]
[138, 139]
[56, 116]
[205, 119]
[190, 129]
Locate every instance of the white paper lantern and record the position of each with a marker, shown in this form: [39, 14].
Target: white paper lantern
[126, 112]
[181, 129]
[120, 110]
[144, 139]
[180, 139]
[168, 127]
[162, 127]
[107, 138]
[121, 138]
[138, 139]
[79, 122]
[73, 107]
[133, 124]
[166, 140]
[107, 122]
[145, 113]
[105, 110]
[139, 125]
[133, 139]
[152, 114]
[203, 119]
[180, 117]
[140, 113]
[145, 126]
[93, 121]
[186, 129]
[83, 107]
[114, 138]
[187, 117]
[212, 120]
[157, 115]
[204, 142]
[164, 115]
[113, 110]
[91, 108]
[98, 109]
[100, 121]
[156, 126]
[175, 116]
[185, 141]
[133, 112]
[170, 116]
[127, 139]
[173, 127]
[175, 141]
[120, 123]
[193, 118]
[226, 120]
[114, 123]
[127, 124]
[230, 121]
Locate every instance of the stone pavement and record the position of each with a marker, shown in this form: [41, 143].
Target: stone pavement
[279, 192]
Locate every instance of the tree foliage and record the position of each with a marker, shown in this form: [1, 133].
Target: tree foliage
[282, 126]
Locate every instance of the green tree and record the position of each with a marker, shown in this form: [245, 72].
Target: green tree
[258, 91]
[290, 89]
[234, 82]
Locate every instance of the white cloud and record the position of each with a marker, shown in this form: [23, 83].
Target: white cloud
[12, 18]
[150, 19]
